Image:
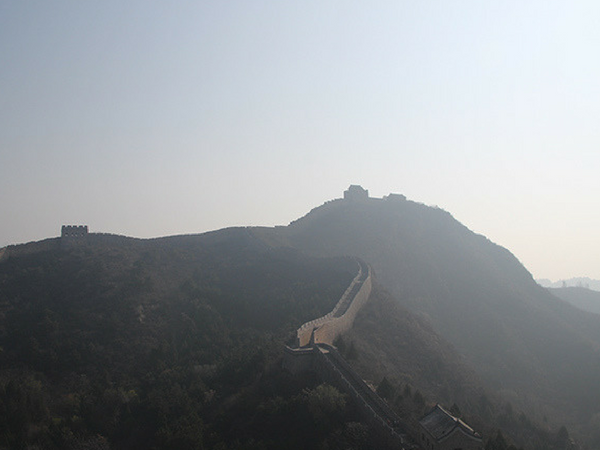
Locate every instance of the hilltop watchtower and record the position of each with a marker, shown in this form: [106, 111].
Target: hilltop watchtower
[356, 192]
[74, 231]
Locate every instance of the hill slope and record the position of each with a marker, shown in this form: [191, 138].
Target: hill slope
[580, 297]
[175, 341]
[540, 353]
[170, 343]
[584, 282]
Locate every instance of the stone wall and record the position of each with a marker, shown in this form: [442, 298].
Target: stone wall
[356, 193]
[330, 330]
[341, 318]
[298, 360]
[333, 369]
[74, 231]
[315, 352]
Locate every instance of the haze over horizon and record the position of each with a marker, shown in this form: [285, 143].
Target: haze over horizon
[147, 119]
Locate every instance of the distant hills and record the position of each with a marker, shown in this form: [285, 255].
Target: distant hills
[583, 282]
[175, 341]
[582, 292]
[582, 298]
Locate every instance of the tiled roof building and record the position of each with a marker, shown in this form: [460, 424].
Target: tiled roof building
[442, 431]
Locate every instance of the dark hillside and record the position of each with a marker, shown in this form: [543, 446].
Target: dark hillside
[393, 342]
[414, 368]
[539, 353]
[114, 342]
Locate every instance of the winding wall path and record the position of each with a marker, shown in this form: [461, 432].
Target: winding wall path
[325, 329]
[315, 351]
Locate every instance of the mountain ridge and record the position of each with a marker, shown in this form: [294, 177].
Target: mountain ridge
[523, 341]
[538, 353]
[580, 297]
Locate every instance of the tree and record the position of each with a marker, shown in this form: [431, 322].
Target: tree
[385, 389]
[325, 403]
[562, 438]
[497, 442]
[352, 353]
[418, 398]
[455, 410]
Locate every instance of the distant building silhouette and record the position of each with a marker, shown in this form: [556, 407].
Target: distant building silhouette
[74, 231]
[395, 197]
[356, 192]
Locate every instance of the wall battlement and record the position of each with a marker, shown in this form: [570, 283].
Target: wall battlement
[74, 231]
[325, 329]
[315, 352]
[332, 367]
[356, 193]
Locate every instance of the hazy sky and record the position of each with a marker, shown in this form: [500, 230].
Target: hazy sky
[150, 118]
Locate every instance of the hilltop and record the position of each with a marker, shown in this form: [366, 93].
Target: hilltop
[539, 353]
[580, 297]
[176, 341]
[582, 282]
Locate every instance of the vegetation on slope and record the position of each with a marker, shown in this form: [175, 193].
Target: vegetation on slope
[538, 353]
[172, 343]
[414, 368]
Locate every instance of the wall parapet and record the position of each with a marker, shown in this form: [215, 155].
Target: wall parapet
[315, 352]
[73, 231]
[374, 410]
[326, 328]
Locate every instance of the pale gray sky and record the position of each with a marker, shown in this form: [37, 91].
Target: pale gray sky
[150, 118]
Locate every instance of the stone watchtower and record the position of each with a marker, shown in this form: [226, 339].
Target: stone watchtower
[73, 231]
[356, 192]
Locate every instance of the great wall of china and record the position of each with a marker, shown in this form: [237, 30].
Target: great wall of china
[326, 329]
[314, 351]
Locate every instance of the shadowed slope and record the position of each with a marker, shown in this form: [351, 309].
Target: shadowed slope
[541, 353]
[123, 343]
